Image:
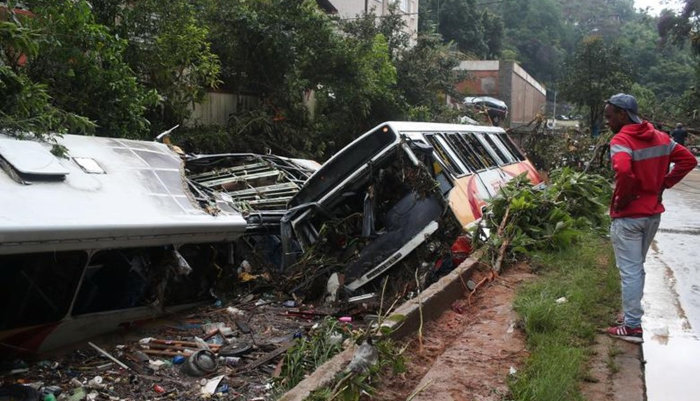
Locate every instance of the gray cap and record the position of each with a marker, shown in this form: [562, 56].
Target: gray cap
[628, 103]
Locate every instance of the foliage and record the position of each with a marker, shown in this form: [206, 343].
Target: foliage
[475, 31]
[316, 86]
[25, 105]
[205, 139]
[536, 33]
[308, 353]
[357, 384]
[351, 105]
[604, 17]
[82, 67]
[524, 219]
[424, 72]
[662, 73]
[592, 74]
[682, 28]
[559, 334]
[679, 30]
[322, 82]
[169, 51]
[552, 149]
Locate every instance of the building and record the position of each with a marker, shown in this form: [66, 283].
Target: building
[347, 9]
[508, 81]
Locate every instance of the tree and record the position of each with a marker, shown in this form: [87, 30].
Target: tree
[536, 31]
[493, 33]
[592, 74]
[286, 53]
[81, 65]
[169, 50]
[425, 74]
[460, 22]
[477, 32]
[25, 105]
[682, 27]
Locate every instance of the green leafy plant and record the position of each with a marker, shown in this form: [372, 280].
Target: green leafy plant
[523, 219]
[81, 64]
[310, 352]
[25, 104]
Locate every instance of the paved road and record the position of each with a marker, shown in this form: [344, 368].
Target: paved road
[672, 298]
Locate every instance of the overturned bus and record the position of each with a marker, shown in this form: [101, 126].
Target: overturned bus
[118, 231]
[403, 188]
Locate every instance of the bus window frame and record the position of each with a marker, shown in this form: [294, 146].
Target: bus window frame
[502, 157]
[467, 155]
[514, 149]
[504, 149]
[482, 157]
[450, 165]
[466, 170]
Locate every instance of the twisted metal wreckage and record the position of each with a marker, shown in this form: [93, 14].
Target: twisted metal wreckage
[120, 230]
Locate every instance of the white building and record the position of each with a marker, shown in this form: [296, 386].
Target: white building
[353, 8]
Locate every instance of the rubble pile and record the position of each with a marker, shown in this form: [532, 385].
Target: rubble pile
[223, 352]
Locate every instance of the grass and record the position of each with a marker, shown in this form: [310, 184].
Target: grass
[559, 335]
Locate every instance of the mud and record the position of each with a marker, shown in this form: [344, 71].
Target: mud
[470, 351]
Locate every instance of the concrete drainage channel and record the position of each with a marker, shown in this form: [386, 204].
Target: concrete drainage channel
[434, 300]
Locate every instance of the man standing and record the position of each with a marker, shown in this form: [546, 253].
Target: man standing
[679, 134]
[641, 156]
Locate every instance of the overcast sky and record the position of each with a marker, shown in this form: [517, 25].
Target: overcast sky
[655, 6]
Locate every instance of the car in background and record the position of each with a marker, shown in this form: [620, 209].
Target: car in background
[496, 109]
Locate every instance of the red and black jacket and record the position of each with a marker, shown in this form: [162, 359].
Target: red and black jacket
[641, 157]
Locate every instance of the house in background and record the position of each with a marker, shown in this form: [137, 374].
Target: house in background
[217, 105]
[507, 81]
[347, 9]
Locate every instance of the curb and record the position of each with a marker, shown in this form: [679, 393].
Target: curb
[435, 299]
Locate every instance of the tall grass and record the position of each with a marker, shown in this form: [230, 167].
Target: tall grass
[559, 334]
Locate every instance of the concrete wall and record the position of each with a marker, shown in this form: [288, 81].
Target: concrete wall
[216, 107]
[507, 81]
[527, 96]
[482, 80]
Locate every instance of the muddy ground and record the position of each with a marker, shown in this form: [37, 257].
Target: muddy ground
[468, 353]
[247, 339]
[471, 349]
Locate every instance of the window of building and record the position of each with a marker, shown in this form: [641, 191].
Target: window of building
[404, 5]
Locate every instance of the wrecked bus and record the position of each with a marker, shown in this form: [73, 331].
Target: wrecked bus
[403, 188]
[118, 231]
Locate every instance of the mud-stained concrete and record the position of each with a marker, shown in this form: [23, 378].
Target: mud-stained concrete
[468, 352]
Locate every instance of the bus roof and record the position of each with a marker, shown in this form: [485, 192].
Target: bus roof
[107, 193]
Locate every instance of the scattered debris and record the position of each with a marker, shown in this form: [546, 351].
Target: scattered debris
[211, 385]
[287, 275]
[365, 357]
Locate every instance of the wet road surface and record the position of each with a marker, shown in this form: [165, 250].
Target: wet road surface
[672, 298]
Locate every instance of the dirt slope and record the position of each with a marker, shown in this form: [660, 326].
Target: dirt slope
[469, 351]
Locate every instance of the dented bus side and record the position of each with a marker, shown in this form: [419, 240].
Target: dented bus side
[410, 182]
